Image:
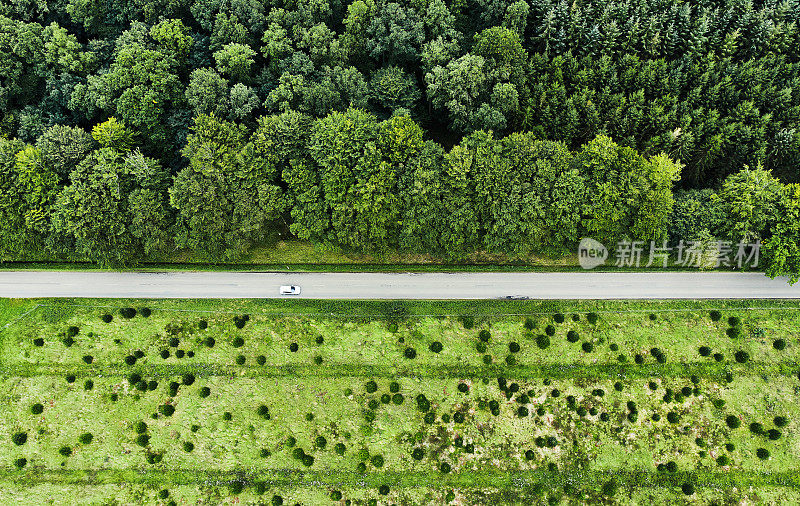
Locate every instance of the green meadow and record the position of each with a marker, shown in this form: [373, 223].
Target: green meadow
[479, 402]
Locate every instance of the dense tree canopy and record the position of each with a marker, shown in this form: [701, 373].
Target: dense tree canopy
[509, 126]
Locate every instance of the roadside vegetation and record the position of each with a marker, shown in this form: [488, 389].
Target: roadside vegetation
[155, 131]
[391, 402]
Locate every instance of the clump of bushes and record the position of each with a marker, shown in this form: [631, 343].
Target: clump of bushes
[263, 412]
[550, 330]
[227, 416]
[762, 453]
[410, 353]
[167, 409]
[127, 312]
[239, 321]
[205, 392]
[240, 360]
[65, 451]
[780, 421]
[572, 336]
[68, 341]
[468, 322]
[484, 335]
[542, 341]
[145, 312]
[210, 341]
[238, 342]
[733, 332]
[37, 409]
[20, 438]
[587, 347]
[38, 342]
[591, 318]
[188, 379]
[779, 344]
[558, 318]
[741, 356]
[513, 347]
[704, 351]
[85, 438]
[734, 321]
[107, 318]
[202, 324]
[20, 462]
[371, 387]
[293, 347]
[529, 324]
[188, 446]
[88, 359]
[436, 347]
[714, 315]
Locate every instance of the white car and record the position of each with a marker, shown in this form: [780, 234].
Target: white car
[290, 290]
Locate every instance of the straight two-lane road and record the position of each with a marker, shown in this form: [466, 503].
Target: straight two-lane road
[458, 285]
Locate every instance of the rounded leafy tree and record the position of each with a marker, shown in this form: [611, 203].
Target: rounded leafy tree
[107, 318]
[65, 451]
[410, 353]
[167, 409]
[19, 438]
[436, 347]
[550, 330]
[733, 422]
[484, 335]
[188, 379]
[86, 438]
[37, 409]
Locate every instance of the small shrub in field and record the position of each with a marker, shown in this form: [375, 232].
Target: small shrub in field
[410, 353]
[202, 324]
[107, 318]
[371, 387]
[513, 347]
[205, 392]
[68, 341]
[653, 317]
[134, 378]
[339, 448]
[774, 434]
[741, 356]
[463, 388]
[756, 428]
[591, 318]
[468, 322]
[436, 347]
[240, 360]
[236, 488]
[587, 347]
[140, 427]
[445, 467]
[687, 488]
[188, 446]
[88, 359]
[394, 387]
[127, 312]
[385, 399]
[320, 442]
[550, 330]
[762, 453]
[173, 388]
[138, 354]
[88, 385]
[723, 460]
[779, 344]
[188, 379]
[733, 332]
[671, 466]
[673, 417]
[37, 409]
[510, 360]
[308, 460]
[20, 463]
[277, 500]
[130, 360]
[542, 341]
[145, 312]
[572, 336]
[529, 324]
[179, 353]
[423, 404]
[167, 409]
[174, 342]
[487, 359]
[86, 438]
[558, 318]
[38, 342]
[72, 331]
[719, 357]
[318, 359]
[165, 354]
[714, 315]
[704, 351]
[780, 421]
[238, 342]
[209, 342]
[65, 451]
[227, 416]
[239, 322]
[19, 438]
[614, 347]
[263, 412]
[293, 347]
[261, 360]
[734, 321]
[480, 347]
[484, 335]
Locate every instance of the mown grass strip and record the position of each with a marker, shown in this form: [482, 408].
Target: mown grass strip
[498, 479]
[333, 370]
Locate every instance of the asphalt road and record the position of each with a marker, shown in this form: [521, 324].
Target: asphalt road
[568, 285]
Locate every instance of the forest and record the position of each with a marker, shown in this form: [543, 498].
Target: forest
[129, 130]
